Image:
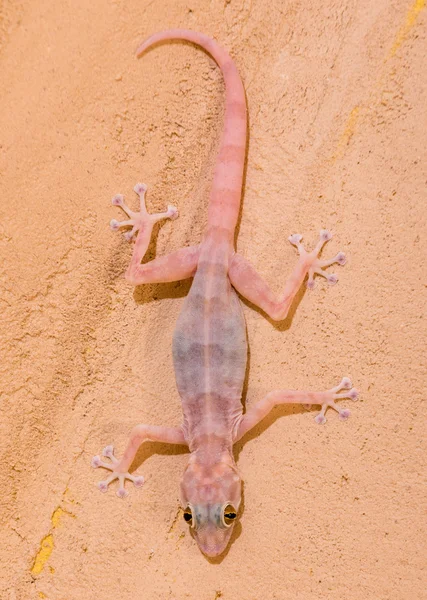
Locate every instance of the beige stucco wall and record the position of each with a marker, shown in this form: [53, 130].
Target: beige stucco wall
[336, 95]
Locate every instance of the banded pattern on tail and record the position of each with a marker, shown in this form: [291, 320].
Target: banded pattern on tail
[228, 176]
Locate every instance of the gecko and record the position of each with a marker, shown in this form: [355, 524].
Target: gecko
[210, 343]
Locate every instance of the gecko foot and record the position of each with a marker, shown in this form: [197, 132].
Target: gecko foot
[96, 462]
[137, 220]
[333, 395]
[316, 265]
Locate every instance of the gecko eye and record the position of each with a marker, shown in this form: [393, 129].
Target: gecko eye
[188, 516]
[230, 514]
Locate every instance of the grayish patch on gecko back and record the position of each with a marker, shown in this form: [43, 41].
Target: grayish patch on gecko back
[210, 353]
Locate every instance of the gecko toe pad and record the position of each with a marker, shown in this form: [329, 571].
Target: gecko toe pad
[325, 235]
[353, 394]
[332, 279]
[344, 414]
[295, 238]
[173, 212]
[140, 188]
[320, 419]
[341, 258]
[102, 486]
[96, 462]
[117, 200]
[108, 451]
[345, 383]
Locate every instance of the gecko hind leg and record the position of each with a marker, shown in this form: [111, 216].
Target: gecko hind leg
[142, 220]
[173, 267]
[108, 451]
[316, 265]
[252, 286]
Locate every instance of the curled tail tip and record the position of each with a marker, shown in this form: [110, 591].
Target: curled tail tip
[153, 39]
[150, 41]
[142, 48]
[171, 34]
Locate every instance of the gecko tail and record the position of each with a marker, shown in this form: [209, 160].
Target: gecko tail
[227, 182]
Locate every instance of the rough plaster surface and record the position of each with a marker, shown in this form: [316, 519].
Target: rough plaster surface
[336, 93]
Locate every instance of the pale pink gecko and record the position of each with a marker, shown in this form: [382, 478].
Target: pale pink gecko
[209, 343]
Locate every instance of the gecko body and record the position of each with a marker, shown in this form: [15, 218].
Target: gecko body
[209, 343]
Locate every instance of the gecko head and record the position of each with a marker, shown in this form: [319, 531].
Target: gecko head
[211, 495]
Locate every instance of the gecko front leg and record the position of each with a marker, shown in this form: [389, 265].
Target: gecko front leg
[326, 399]
[174, 267]
[120, 468]
[250, 284]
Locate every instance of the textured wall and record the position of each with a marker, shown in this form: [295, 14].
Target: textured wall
[336, 94]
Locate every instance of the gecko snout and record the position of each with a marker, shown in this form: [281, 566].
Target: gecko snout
[211, 526]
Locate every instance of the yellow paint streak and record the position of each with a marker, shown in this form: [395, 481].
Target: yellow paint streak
[56, 516]
[47, 544]
[350, 126]
[42, 556]
[347, 134]
[41, 595]
[353, 117]
[411, 18]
